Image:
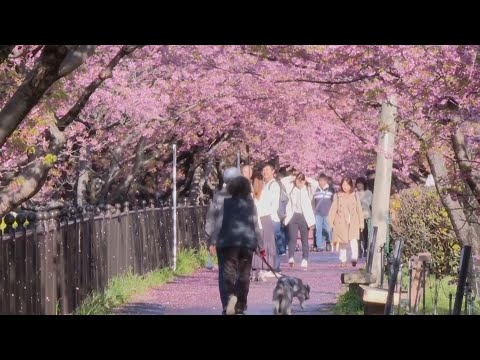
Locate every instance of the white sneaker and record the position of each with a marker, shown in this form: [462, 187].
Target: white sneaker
[304, 263]
[291, 261]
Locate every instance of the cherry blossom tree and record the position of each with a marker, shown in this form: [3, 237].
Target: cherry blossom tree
[102, 127]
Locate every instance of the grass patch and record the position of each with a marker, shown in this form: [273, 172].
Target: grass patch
[190, 260]
[349, 303]
[444, 287]
[120, 289]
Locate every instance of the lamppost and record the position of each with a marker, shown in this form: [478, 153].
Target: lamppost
[174, 208]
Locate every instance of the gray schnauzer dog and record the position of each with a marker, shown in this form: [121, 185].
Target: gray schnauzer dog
[288, 288]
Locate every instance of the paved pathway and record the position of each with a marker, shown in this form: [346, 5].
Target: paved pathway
[197, 294]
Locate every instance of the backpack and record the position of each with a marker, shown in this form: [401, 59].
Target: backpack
[283, 200]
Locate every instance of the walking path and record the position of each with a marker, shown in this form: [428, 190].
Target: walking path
[197, 294]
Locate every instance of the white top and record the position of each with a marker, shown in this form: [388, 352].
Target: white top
[258, 213]
[305, 202]
[271, 195]
[263, 208]
[295, 196]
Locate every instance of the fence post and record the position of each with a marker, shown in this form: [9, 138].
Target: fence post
[371, 249]
[410, 272]
[462, 278]
[400, 272]
[382, 265]
[424, 265]
[393, 277]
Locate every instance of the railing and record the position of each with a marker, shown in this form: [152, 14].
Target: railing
[51, 265]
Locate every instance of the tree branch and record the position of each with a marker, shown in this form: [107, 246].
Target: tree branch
[106, 73]
[5, 50]
[416, 130]
[29, 93]
[33, 176]
[75, 58]
[330, 82]
[342, 119]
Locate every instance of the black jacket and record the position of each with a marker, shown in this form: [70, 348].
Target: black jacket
[215, 214]
[239, 225]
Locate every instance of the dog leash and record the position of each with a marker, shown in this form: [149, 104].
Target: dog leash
[269, 266]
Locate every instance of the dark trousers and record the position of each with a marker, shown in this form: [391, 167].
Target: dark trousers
[296, 223]
[235, 275]
[280, 240]
[364, 240]
[221, 282]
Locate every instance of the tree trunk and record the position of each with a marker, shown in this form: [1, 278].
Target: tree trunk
[115, 168]
[112, 174]
[83, 178]
[462, 228]
[94, 187]
[137, 166]
[75, 58]
[33, 176]
[464, 163]
[202, 173]
[207, 170]
[190, 164]
[464, 231]
[28, 94]
[195, 189]
[383, 182]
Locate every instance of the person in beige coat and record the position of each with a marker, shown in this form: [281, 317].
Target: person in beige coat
[346, 220]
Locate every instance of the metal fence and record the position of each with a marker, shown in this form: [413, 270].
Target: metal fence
[52, 264]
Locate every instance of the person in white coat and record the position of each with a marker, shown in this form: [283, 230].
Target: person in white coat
[271, 197]
[300, 216]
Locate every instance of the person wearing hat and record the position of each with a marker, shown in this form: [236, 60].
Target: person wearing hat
[234, 235]
[213, 220]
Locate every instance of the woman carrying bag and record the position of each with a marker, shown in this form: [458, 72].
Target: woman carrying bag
[346, 220]
[300, 217]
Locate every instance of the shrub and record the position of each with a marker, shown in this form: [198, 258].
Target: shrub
[418, 217]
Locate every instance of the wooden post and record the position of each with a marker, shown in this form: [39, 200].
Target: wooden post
[383, 180]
